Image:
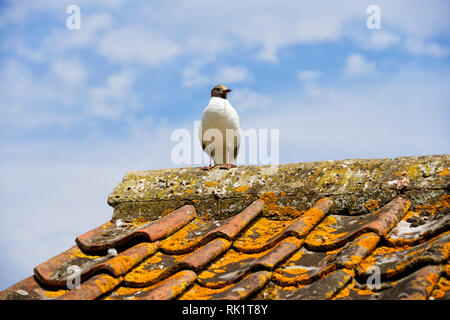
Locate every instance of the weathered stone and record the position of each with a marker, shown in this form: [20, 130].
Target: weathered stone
[355, 185]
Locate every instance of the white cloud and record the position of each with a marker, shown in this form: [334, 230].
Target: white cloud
[420, 47]
[113, 98]
[381, 40]
[308, 75]
[361, 120]
[244, 99]
[356, 65]
[232, 74]
[71, 71]
[136, 44]
[193, 76]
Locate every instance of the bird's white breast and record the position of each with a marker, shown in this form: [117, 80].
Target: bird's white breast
[220, 115]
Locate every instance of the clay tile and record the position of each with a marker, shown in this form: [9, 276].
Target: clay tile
[92, 288]
[113, 234]
[302, 225]
[171, 287]
[256, 238]
[241, 220]
[124, 261]
[56, 271]
[161, 266]
[417, 286]
[205, 254]
[415, 228]
[388, 216]
[244, 288]
[392, 262]
[29, 289]
[234, 265]
[336, 230]
[325, 288]
[199, 232]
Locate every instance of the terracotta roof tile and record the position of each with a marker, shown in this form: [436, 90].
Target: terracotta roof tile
[329, 244]
[394, 261]
[57, 271]
[92, 288]
[417, 286]
[116, 233]
[30, 289]
[161, 265]
[336, 230]
[234, 265]
[418, 226]
[199, 231]
[322, 289]
[171, 287]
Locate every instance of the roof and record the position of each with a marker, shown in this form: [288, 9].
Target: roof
[351, 229]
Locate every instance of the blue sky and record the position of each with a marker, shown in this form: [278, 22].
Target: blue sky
[80, 107]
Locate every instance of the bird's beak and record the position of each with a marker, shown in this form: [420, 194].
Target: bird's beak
[228, 90]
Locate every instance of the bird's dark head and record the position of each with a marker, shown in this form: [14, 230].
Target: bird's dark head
[220, 91]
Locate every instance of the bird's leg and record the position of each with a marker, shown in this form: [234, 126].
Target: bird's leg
[208, 167]
[227, 166]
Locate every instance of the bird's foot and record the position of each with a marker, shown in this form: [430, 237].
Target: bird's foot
[227, 166]
[207, 168]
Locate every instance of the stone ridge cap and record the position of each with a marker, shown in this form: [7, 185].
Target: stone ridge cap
[352, 182]
[131, 173]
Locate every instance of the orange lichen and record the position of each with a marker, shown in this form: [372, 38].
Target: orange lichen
[353, 288]
[139, 222]
[211, 184]
[323, 234]
[166, 212]
[272, 209]
[441, 288]
[444, 202]
[242, 189]
[55, 294]
[310, 218]
[106, 283]
[343, 293]
[372, 204]
[444, 172]
[178, 240]
[256, 237]
[106, 225]
[198, 292]
[368, 241]
[350, 272]
[446, 270]
[123, 262]
[150, 269]
[188, 191]
[77, 253]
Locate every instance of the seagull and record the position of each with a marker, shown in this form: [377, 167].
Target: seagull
[221, 116]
